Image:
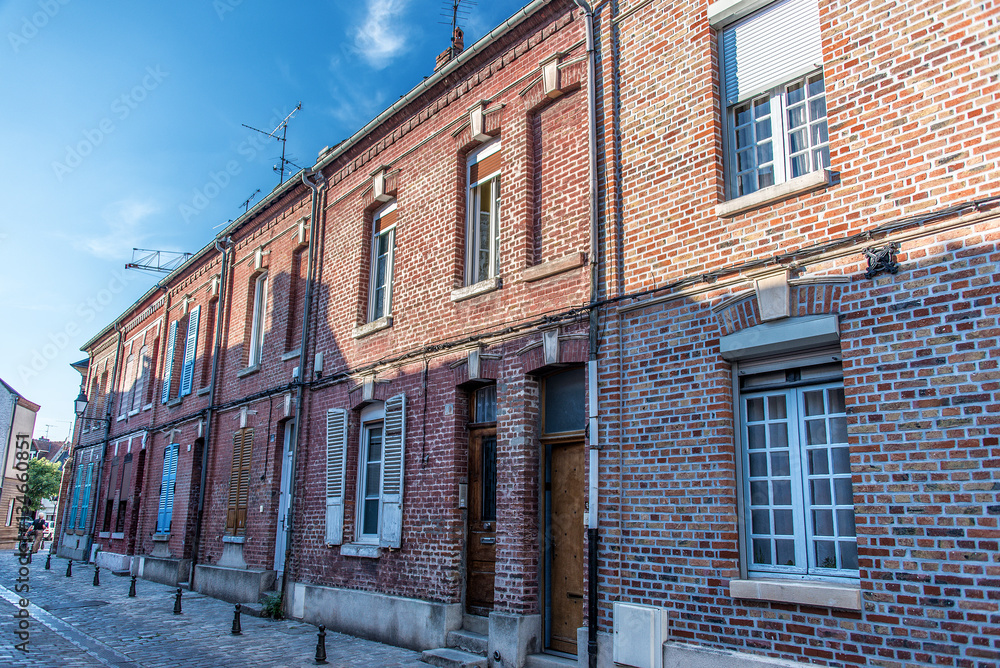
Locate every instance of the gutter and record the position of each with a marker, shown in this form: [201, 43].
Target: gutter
[317, 188]
[216, 352]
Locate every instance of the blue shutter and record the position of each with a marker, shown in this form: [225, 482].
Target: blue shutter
[168, 363]
[166, 507]
[187, 373]
[76, 496]
[85, 503]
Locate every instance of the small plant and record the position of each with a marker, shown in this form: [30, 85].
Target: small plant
[271, 606]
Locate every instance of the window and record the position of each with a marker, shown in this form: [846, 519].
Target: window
[256, 343]
[239, 481]
[141, 378]
[110, 495]
[168, 362]
[798, 499]
[190, 352]
[370, 484]
[123, 488]
[382, 254]
[77, 488]
[774, 96]
[85, 500]
[483, 226]
[128, 383]
[168, 482]
[206, 358]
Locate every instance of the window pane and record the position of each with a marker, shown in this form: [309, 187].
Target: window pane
[486, 404]
[758, 465]
[756, 438]
[760, 521]
[838, 430]
[783, 525]
[843, 492]
[823, 523]
[816, 85]
[763, 130]
[758, 493]
[370, 522]
[765, 178]
[776, 409]
[820, 492]
[798, 142]
[779, 435]
[849, 555]
[841, 460]
[764, 153]
[826, 554]
[785, 552]
[782, 490]
[819, 135]
[845, 523]
[779, 464]
[372, 479]
[564, 402]
[817, 109]
[742, 114]
[816, 432]
[796, 93]
[761, 551]
[818, 464]
[796, 119]
[761, 107]
[755, 409]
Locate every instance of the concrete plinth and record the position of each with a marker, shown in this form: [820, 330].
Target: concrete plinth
[235, 585]
[166, 571]
[514, 637]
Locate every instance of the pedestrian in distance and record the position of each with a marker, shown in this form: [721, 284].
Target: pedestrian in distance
[38, 529]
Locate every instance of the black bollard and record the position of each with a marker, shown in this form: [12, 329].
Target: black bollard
[131, 588]
[237, 628]
[48, 562]
[321, 646]
[97, 576]
[69, 569]
[177, 602]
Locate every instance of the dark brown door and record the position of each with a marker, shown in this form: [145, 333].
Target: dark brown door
[565, 544]
[482, 553]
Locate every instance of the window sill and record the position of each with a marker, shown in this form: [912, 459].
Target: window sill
[476, 289]
[118, 535]
[133, 413]
[366, 550]
[776, 193]
[250, 370]
[204, 390]
[290, 355]
[362, 331]
[161, 537]
[234, 539]
[120, 418]
[554, 267]
[104, 534]
[173, 403]
[147, 407]
[803, 592]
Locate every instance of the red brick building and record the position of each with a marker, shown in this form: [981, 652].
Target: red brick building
[798, 369]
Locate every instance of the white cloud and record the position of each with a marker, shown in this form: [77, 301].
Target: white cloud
[381, 37]
[124, 220]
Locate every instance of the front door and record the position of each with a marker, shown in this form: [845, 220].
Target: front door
[284, 499]
[564, 493]
[482, 555]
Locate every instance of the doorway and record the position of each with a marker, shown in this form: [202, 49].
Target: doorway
[481, 552]
[284, 500]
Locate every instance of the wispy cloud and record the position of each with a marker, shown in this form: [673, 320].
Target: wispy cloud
[124, 220]
[381, 37]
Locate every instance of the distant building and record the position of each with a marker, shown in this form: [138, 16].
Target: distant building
[17, 424]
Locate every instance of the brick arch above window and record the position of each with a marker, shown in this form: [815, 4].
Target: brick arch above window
[805, 296]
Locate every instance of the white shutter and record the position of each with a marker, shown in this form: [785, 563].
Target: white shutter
[190, 347]
[393, 463]
[772, 46]
[336, 461]
[168, 363]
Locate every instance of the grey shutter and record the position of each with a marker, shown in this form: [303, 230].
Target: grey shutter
[771, 46]
[187, 372]
[393, 464]
[336, 461]
[168, 363]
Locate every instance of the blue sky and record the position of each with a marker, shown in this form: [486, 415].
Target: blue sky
[121, 127]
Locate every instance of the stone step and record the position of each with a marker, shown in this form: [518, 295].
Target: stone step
[468, 641]
[445, 657]
[549, 661]
[476, 624]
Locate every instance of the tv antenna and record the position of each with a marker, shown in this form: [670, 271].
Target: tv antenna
[456, 11]
[283, 127]
[246, 202]
[156, 261]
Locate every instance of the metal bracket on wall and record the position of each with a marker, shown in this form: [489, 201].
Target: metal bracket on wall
[881, 259]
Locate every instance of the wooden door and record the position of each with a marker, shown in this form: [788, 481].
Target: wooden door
[565, 544]
[481, 550]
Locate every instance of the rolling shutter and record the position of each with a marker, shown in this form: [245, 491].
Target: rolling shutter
[336, 461]
[190, 347]
[393, 463]
[168, 366]
[770, 47]
[239, 481]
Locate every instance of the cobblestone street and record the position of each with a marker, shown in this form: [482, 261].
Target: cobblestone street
[74, 623]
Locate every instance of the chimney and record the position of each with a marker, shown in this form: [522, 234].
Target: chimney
[449, 54]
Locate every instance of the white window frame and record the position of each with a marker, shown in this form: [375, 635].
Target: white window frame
[372, 417]
[385, 303]
[257, 322]
[803, 534]
[474, 242]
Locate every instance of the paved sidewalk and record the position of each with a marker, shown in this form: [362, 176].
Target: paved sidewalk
[75, 624]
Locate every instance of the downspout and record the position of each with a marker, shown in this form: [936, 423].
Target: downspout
[317, 191]
[593, 423]
[108, 411]
[219, 312]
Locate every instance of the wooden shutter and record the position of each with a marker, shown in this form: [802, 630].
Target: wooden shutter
[128, 383]
[190, 347]
[770, 47]
[76, 496]
[239, 481]
[168, 481]
[393, 463]
[336, 461]
[142, 377]
[168, 363]
[85, 501]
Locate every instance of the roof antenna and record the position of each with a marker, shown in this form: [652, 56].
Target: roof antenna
[158, 261]
[283, 126]
[246, 202]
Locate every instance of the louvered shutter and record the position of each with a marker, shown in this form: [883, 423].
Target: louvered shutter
[170, 484]
[168, 365]
[141, 378]
[76, 496]
[168, 481]
[336, 461]
[393, 463]
[239, 480]
[85, 502]
[770, 47]
[128, 384]
[190, 348]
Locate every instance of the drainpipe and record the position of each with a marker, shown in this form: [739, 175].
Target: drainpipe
[593, 423]
[226, 246]
[317, 192]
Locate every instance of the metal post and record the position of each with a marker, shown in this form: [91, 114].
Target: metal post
[48, 562]
[237, 628]
[321, 646]
[131, 588]
[97, 576]
[177, 602]
[69, 569]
